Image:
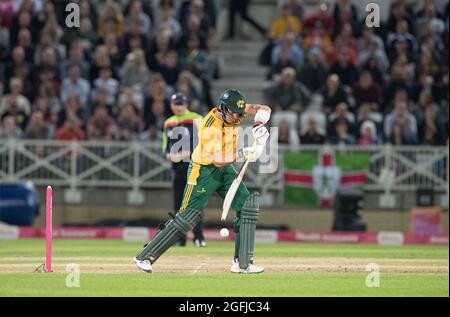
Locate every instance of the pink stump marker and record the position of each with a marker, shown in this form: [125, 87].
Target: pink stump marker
[48, 231]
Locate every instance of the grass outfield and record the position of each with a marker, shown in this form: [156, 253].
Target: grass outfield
[292, 269]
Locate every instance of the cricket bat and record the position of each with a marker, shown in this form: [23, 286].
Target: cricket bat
[233, 189]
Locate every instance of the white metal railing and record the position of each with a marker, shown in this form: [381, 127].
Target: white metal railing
[136, 165]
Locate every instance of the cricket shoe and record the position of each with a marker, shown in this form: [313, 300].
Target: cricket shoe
[251, 268]
[200, 243]
[144, 265]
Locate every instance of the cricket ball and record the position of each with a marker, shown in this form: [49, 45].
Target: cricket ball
[224, 232]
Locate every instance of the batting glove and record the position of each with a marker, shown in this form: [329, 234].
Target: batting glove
[260, 134]
[252, 153]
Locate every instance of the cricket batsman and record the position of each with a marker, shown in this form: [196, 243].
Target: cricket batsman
[211, 170]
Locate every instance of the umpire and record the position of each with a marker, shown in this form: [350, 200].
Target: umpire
[179, 140]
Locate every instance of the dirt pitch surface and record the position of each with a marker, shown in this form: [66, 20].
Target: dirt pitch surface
[197, 264]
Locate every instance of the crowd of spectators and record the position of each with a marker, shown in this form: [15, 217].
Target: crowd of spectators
[347, 83]
[111, 77]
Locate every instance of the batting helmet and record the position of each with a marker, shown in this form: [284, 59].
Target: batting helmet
[232, 100]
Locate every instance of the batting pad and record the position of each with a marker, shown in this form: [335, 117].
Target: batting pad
[174, 229]
[249, 218]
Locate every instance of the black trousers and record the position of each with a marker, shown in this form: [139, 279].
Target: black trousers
[179, 182]
[241, 7]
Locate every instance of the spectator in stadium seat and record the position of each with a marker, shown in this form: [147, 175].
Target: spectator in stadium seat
[435, 47]
[368, 132]
[151, 134]
[111, 20]
[101, 126]
[4, 39]
[400, 126]
[23, 20]
[297, 9]
[430, 120]
[194, 59]
[72, 107]
[88, 37]
[372, 66]
[345, 39]
[70, 130]
[158, 93]
[162, 6]
[148, 8]
[345, 69]
[128, 123]
[402, 34]
[197, 8]
[133, 32]
[38, 128]
[134, 70]
[427, 66]
[312, 135]
[318, 37]
[194, 88]
[431, 132]
[288, 42]
[130, 95]
[76, 57]
[320, 19]
[48, 102]
[366, 90]
[74, 83]
[158, 114]
[46, 41]
[88, 9]
[115, 52]
[431, 19]
[22, 72]
[193, 27]
[425, 82]
[168, 21]
[287, 135]
[16, 103]
[371, 48]
[365, 113]
[333, 93]
[52, 26]
[107, 83]
[398, 12]
[284, 60]
[285, 21]
[99, 61]
[9, 128]
[345, 12]
[17, 59]
[6, 10]
[288, 94]
[136, 13]
[170, 68]
[313, 73]
[401, 77]
[341, 113]
[341, 135]
[100, 97]
[399, 49]
[24, 40]
[161, 45]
